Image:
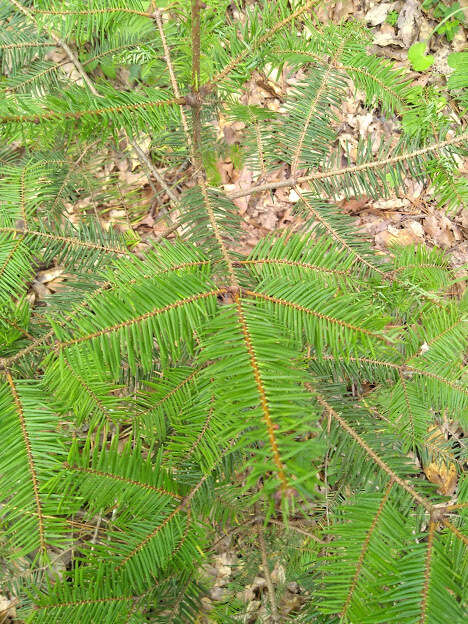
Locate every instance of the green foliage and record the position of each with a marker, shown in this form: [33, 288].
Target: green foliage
[458, 80]
[450, 16]
[420, 61]
[171, 393]
[392, 18]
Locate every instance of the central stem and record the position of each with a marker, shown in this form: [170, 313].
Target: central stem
[195, 45]
[195, 99]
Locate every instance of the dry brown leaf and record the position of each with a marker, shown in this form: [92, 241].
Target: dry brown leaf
[408, 19]
[438, 471]
[442, 475]
[386, 36]
[354, 206]
[378, 13]
[7, 608]
[393, 236]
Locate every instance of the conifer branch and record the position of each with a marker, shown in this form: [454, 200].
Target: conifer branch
[89, 391]
[322, 87]
[415, 266]
[443, 333]
[182, 505]
[325, 317]
[15, 325]
[202, 433]
[365, 546]
[180, 385]
[448, 382]
[22, 198]
[335, 63]
[125, 46]
[451, 527]
[197, 158]
[335, 234]
[408, 407]
[227, 338]
[116, 477]
[433, 448]
[107, 10]
[10, 255]
[69, 174]
[424, 502]
[69, 240]
[84, 63]
[295, 263]
[79, 603]
[139, 319]
[38, 342]
[170, 68]
[6, 362]
[196, 7]
[332, 173]
[262, 394]
[35, 77]
[27, 44]
[30, 458]
[234, 283]
[47, 116]
[176, 608]
[401, 368]
[261, 155]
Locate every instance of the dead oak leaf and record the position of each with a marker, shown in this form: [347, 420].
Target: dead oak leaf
[442, 475]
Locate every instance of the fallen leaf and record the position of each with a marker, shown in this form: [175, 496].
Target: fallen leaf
[416, 228]
[43, 277]
[148, 220]
[393, 236]
[7, 608]
[244, 178]
[354, 206]
[408, 21]
[442, 475]
[293, 196]
[378, 14]
[438, 471]
[389, 204]
[386, 36]
[343, 8]
[268, 218]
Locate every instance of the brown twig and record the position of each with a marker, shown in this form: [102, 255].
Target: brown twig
[153, 171]
[196, 45]
[293, 527]
[170, 68]
[321, 175]
[427, 570]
